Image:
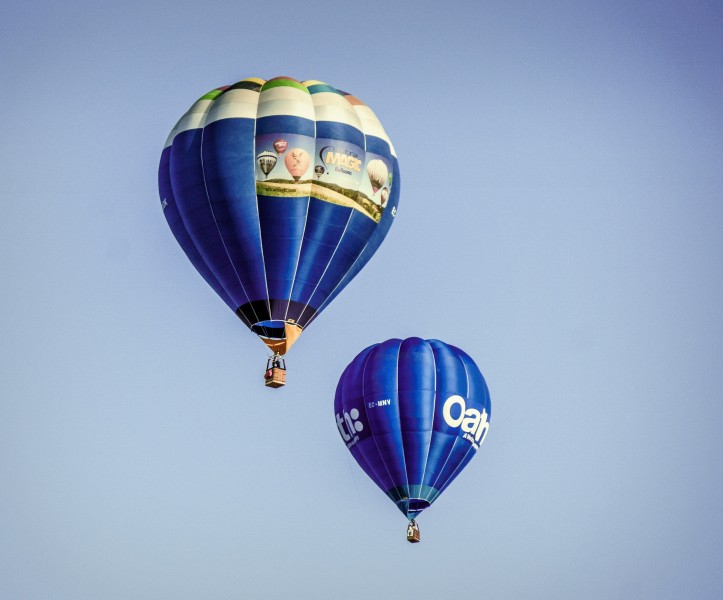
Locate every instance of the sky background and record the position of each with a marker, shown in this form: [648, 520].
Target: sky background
[561, 220]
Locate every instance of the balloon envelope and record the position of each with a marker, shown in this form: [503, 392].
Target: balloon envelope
[413, 413]
[277, 251]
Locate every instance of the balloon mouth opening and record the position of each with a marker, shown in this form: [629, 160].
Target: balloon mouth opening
[273, 330]
[416, 505]
[278, 335]
[413, 506]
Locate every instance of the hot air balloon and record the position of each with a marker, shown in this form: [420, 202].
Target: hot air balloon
[297, 161]
[384, 195]
[377, 172]
[267, 161]
[276, 252]
[413, 413]
[319, 170]
[280, 146]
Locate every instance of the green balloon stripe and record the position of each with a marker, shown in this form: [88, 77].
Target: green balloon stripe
[212, 95]
[284, 82]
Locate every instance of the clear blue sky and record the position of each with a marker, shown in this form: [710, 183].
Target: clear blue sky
[561, 220]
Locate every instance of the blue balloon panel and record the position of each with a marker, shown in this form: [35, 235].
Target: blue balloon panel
[413, 413]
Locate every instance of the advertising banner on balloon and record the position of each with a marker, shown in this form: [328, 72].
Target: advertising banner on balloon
[283, 159]
[335, 171]
[344, 172]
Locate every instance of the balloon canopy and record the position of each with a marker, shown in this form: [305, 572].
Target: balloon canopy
[276, 243]
[413, 413]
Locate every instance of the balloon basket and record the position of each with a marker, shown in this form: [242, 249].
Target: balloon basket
[275, 375]
[413, 532]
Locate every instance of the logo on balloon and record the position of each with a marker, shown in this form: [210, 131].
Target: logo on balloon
[343, 162]
[349, 426]
[473, 423]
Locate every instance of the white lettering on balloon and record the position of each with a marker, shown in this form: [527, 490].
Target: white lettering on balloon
[473, 423]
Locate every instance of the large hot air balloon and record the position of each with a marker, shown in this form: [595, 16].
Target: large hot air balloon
[278, 251]
[413, 413]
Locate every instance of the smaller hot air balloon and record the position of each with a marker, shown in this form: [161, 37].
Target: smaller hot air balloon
[377, 172]
[413, 413]
[297, 161]
[280, 146]
[385, 195]
[319, 170]
[267, 161]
